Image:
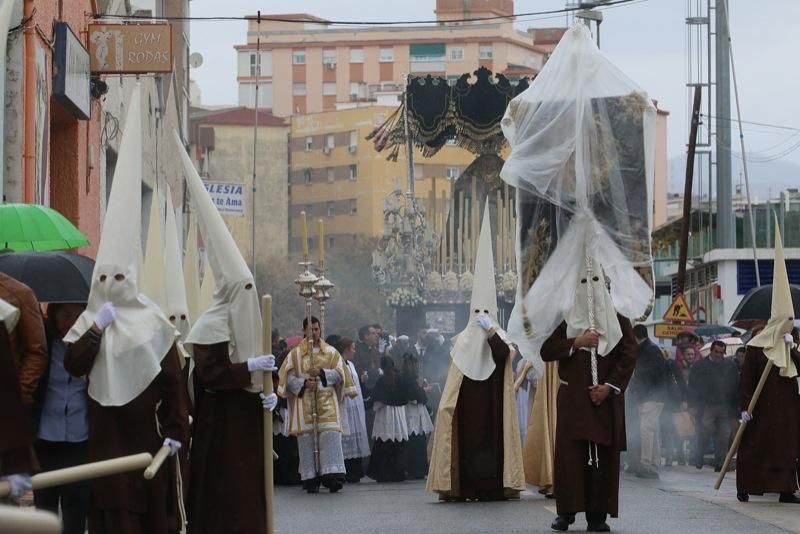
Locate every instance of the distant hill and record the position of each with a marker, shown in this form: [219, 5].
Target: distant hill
[773, 176]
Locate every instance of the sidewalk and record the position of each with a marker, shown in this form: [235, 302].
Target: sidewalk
[692, 482]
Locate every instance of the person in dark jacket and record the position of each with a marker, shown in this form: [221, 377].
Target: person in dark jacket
[648, 391]
[61, 406]
[713, 402]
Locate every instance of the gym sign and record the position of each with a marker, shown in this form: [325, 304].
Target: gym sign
[130, 48]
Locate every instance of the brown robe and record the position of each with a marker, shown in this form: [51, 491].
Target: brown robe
[479, 424]
[17, 437]
[27, 340]
[768, 454]
[127, 503]
[580, 487]
[227, 493]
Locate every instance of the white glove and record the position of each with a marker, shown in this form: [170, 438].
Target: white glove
[746, 417]
[174, 446]
[105, 316]
[269, 402]
[20, 485]
[484, 321]
[789, 340]
[261, 363]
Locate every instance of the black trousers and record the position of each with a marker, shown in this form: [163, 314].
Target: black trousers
[72, 498]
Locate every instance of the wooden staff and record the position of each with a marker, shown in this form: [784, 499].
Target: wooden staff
[269, 488]
[78, 473]
[743, 424]
[155, 465]
[14, 520]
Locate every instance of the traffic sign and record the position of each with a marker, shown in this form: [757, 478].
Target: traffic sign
[678, 310]
[670, 330]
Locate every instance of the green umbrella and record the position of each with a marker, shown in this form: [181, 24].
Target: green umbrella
[26, 227]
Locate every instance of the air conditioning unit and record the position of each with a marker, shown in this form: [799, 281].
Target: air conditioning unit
[326, 150]
[352, 149]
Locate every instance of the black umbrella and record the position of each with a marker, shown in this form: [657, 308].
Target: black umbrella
[53, 276]
[757, 304]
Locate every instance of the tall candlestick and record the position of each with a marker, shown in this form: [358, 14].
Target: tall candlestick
[304, 234]
[451, 217]
[507, 225]
[462, 230]
[320, 224]
[433, 206]
[498, 260]
[474, 214]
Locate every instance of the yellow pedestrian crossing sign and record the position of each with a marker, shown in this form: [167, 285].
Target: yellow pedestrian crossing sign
[679, 310]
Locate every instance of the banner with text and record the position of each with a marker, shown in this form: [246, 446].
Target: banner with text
[227, 197]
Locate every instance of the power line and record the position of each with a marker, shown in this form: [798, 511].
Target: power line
[304, 20]
[753, 123]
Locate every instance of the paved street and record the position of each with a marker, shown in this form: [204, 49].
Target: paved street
[683, 500]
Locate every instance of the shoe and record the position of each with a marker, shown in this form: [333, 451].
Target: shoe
[598, 527]
[789, 498]
[562, 522]
[743, 497]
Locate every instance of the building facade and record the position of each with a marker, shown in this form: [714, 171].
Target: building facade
[61, 138]
[222, 143]
[311, 67]
[337, 175]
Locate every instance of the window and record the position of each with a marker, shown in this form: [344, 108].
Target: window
[329, 89]
[254, 70]
[307, 176]
[299, 57]
[485, 52]
[329, 57]
[331, 175]
[298, 89]
[418, 171]
[427, 57]
[330, 242]
[331, 209]
[309, 144]
[308, 209]
[353, 206]
[358, 90]
[452, 172]
[330, 142]
[353, 138]
[456, 54]
[354, 172]
[356, 55]
[386, 55]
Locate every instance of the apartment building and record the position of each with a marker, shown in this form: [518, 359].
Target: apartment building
[311, 66]
[337, 175]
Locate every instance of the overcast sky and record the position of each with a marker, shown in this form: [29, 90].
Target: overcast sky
[646, 39]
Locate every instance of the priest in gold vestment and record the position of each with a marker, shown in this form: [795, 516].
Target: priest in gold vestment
[315, 383]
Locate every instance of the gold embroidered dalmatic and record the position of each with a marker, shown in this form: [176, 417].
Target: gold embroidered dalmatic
[328, 398]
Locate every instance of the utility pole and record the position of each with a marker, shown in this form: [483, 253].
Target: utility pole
[726, 231]
[687, 193]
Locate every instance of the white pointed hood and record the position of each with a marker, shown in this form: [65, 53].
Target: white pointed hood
[606, 323]
[471, 352]
[177, 309]
[235, 314]
[153, 283]
[133, 345]
[9, 315]
[191, 272]
[781, 318]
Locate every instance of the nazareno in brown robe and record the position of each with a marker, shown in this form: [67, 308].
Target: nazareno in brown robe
[127, 503]
[768, 454]
[580, 487]
[226, 494]
[479, 416]
[17, 437]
